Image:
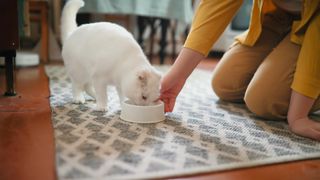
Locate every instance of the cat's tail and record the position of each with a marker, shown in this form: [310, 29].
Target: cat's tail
[68, 18]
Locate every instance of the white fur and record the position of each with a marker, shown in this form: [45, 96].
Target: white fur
[100, 54]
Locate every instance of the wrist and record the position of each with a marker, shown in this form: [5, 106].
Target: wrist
[292, 120]
[299, 107]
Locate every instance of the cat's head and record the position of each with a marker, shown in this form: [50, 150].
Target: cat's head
[143, 88]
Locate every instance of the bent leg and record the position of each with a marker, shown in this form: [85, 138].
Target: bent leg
[233, 73]
[237, 67]
[268, 94]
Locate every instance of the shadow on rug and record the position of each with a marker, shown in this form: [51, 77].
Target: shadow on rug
[201, 135]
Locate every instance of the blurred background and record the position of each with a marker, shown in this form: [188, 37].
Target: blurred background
[160, 27]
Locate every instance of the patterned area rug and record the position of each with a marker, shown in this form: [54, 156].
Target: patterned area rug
[203, 134]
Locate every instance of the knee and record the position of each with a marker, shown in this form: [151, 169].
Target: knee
[225, 89]
[217, 87]
[266, 103]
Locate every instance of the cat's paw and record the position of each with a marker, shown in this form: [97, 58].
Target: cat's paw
[99, 108]
[79, 100]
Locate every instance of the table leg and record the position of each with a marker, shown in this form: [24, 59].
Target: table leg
[142, 24]
[173, 37]
[163, 41]
[152, 21]
[9, 67]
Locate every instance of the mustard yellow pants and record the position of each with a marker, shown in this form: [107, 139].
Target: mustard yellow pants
[261, 75]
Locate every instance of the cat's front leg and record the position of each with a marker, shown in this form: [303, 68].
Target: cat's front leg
[90, 91]
[121, 97]
[78, 97]
[101, 96]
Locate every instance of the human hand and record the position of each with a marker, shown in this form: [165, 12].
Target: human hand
[305, 127]
[173, 81]
[170, 88]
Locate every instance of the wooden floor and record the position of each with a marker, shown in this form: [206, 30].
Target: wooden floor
[27, 142]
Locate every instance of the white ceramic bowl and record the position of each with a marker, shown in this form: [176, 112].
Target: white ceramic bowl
[142, 114]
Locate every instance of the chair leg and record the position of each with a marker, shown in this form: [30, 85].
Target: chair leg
[163, 41]
[152, 34]
[9, 67]
[142, 24]
[173, 37]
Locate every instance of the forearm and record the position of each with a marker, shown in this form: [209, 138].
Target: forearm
[185, 63]
[173, 81]
[299, 107]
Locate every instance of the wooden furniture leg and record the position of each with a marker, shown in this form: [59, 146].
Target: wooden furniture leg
[152, 33]
[9, 68]
[9, 40]
[36, 8]
[164, 23]
[142, 24]
[173, 37]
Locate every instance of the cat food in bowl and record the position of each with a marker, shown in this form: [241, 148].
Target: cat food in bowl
[142, 114]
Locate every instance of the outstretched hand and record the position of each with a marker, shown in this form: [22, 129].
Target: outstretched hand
[173, 81]
[169, 91]
[306, 127]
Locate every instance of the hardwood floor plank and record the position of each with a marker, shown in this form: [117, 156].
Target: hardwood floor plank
[27, 148]
[26, 134]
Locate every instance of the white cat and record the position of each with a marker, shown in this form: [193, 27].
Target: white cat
[100, 54]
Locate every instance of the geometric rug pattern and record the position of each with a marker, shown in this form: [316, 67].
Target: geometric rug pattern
[203, 134]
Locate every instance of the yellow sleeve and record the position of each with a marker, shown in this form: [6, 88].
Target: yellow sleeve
[307, 76]
[210, 20]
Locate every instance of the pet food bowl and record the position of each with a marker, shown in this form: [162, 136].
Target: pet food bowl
[142, 114]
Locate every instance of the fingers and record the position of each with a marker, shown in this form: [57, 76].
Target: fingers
[168, 95]
[171, 104]
[310, 133]
[167, 107]
[315, 131]
[315, 134]
[168, 104]
[306, 127]
[165, 99]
